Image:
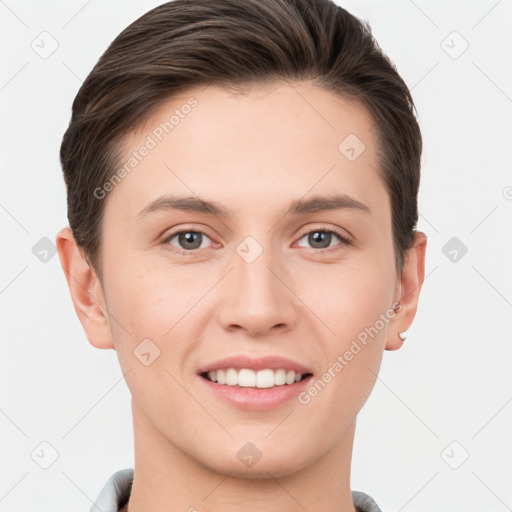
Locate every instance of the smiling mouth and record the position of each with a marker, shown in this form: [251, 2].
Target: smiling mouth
[247, 378]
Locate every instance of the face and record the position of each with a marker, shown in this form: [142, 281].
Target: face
[265, 270]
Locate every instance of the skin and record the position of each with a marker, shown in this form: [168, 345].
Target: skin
[253, 154]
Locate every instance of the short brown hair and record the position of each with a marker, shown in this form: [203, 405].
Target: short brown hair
[186, 43]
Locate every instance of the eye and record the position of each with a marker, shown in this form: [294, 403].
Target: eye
[322, 238]
[188, 240]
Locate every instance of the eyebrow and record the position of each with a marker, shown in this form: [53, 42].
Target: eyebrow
[297, 207]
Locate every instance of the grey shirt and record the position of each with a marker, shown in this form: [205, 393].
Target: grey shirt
[116, 492]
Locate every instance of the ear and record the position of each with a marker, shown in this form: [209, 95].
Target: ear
[86, 291]
[411, 281]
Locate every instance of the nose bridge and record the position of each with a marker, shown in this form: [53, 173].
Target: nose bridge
[257, 298]
[256, 284]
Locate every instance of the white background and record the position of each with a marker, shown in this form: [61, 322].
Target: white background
[451, 380]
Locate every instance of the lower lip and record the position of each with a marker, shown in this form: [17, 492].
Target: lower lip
[257, 399]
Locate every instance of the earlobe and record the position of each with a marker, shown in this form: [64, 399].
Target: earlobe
[86, 291]
[412, 278]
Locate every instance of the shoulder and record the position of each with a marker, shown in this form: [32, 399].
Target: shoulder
[364, 503]
[115, 493]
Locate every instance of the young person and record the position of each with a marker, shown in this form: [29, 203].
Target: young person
[242, 180]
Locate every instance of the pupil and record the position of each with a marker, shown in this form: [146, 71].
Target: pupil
[319, 237]
[188, 238]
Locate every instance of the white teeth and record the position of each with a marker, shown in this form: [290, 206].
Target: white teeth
[221, 376]
[265, 379]
[280, 377]
[247, 378]
[231, 377]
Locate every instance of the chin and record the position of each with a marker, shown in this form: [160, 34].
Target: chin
[263, 469]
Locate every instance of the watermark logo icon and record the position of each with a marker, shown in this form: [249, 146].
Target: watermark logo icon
[351, 147]
[454, 45]
[146, 352]
[249, 454]
[44, 455]
[507, 193]
[249, 249]
[454, 249]
[455, 455]
[44, 250]
[45, 45]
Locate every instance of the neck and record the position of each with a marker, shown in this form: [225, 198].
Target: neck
[167, 479]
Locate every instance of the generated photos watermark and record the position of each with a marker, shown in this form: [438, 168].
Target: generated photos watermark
[343, 359]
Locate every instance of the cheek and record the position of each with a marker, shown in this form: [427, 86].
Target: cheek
[354, 304]
[348, 296]
[351, 356]
[168, 305]
[148, 310]
[148, 303]
[155, 293]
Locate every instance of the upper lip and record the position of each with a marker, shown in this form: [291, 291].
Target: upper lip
[272, 362]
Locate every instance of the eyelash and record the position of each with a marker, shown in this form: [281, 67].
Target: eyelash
[344, 239]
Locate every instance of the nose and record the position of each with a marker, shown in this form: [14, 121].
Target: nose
[257, 296]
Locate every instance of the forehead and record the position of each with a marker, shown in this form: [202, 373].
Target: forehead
[266, 145]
